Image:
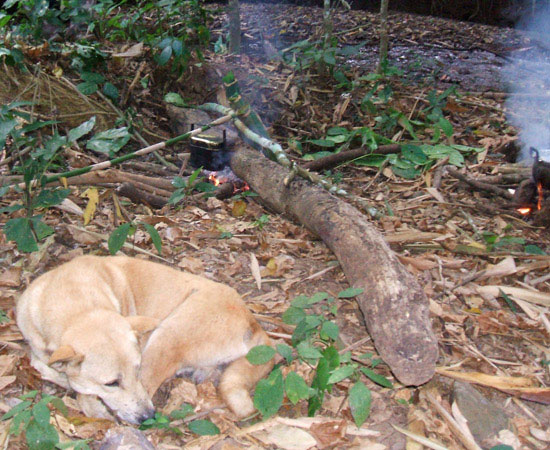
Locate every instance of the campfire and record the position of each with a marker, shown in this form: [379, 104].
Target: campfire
[530, 194]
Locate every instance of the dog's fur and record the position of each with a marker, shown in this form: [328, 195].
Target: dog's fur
[81, 321]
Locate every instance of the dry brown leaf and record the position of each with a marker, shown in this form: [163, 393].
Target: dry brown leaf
[418, 262]
[6, 381]
[493, 291]
[290, 438]
[504, 268]
[329, 433]
[133, 52]
[255, 269]
[11, 277]
[501, 382]
[184, 391]
[7, 364]
[193, 265]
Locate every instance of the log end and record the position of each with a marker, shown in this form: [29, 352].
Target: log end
[414, 363]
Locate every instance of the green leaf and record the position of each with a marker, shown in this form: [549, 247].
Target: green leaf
[408, 174]
[40, 228]
[502, 447]
[308, 351]
[6, 127]
[373, 160]
[269, 393]
[303, 301]
[359, 402]
[110, 91]
[174, 99]
[155, 236]
[87, 88]
[16, 409]
[321, 142]
[350, 292]
[92, 77]
[377, 378]
[533, 250]
[110, 141]
[305, 327]
[182, 412]
[414, 154]
[165, 55]
[81, 130]
[41, 437]
[118, 237]
[19, 230]
[296, 388]
[446, 126]
[340, 374]
[329, 330]
[285, 351]
[261, 354]
[50, 197]
[80, 444]
[204, 427]
[293, 316]
[58, 404]
[41, 414]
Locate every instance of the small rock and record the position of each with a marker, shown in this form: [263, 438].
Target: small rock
[485, 419]
[125, 438]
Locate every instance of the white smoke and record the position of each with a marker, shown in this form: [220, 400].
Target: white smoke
[528, 78]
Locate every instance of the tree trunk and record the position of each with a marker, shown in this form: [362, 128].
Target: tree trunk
[234, 14]
[393, 304]
[383, 55]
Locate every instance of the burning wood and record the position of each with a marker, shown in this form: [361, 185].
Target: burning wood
[541, 175]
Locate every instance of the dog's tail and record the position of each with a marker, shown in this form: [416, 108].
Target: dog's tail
[241, 376]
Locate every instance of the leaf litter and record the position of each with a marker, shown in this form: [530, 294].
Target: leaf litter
[489, 296]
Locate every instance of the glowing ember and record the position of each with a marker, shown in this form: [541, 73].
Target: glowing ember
[213, 179]
[524, 211]
[539, 201]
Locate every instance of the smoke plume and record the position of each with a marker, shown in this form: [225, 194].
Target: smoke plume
[528, 78]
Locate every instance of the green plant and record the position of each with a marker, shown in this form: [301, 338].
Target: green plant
[120, 234]
[320, 55]
[35, 153]
[3, 317]
[315, 342]
[261, 221]
[32, 416]
[185, 187]
[33, 161]
[161, 421]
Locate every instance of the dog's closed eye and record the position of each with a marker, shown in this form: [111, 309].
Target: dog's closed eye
[113, 383]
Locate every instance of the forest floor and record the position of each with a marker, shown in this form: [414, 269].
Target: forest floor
[482, 265]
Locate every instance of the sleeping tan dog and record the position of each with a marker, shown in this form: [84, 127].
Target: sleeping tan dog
[81, 321]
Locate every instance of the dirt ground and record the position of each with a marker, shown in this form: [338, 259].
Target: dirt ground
[468, 248]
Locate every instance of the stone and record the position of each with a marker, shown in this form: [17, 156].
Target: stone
[485, 418]
[125, 438]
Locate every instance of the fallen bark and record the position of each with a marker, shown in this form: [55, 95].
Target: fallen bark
[349, 155]
[479, 185]
[140, 196]
[393, 303]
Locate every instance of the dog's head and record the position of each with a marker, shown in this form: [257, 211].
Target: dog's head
[100, 356]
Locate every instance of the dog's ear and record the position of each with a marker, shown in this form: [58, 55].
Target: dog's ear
[65, 354]
[142, 324]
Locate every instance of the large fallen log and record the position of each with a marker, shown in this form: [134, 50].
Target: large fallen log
[393, 303]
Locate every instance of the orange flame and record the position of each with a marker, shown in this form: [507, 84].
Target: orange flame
[539, 201]
[213, 179]
[524, 211]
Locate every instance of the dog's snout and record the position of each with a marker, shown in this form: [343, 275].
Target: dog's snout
[148, 414]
